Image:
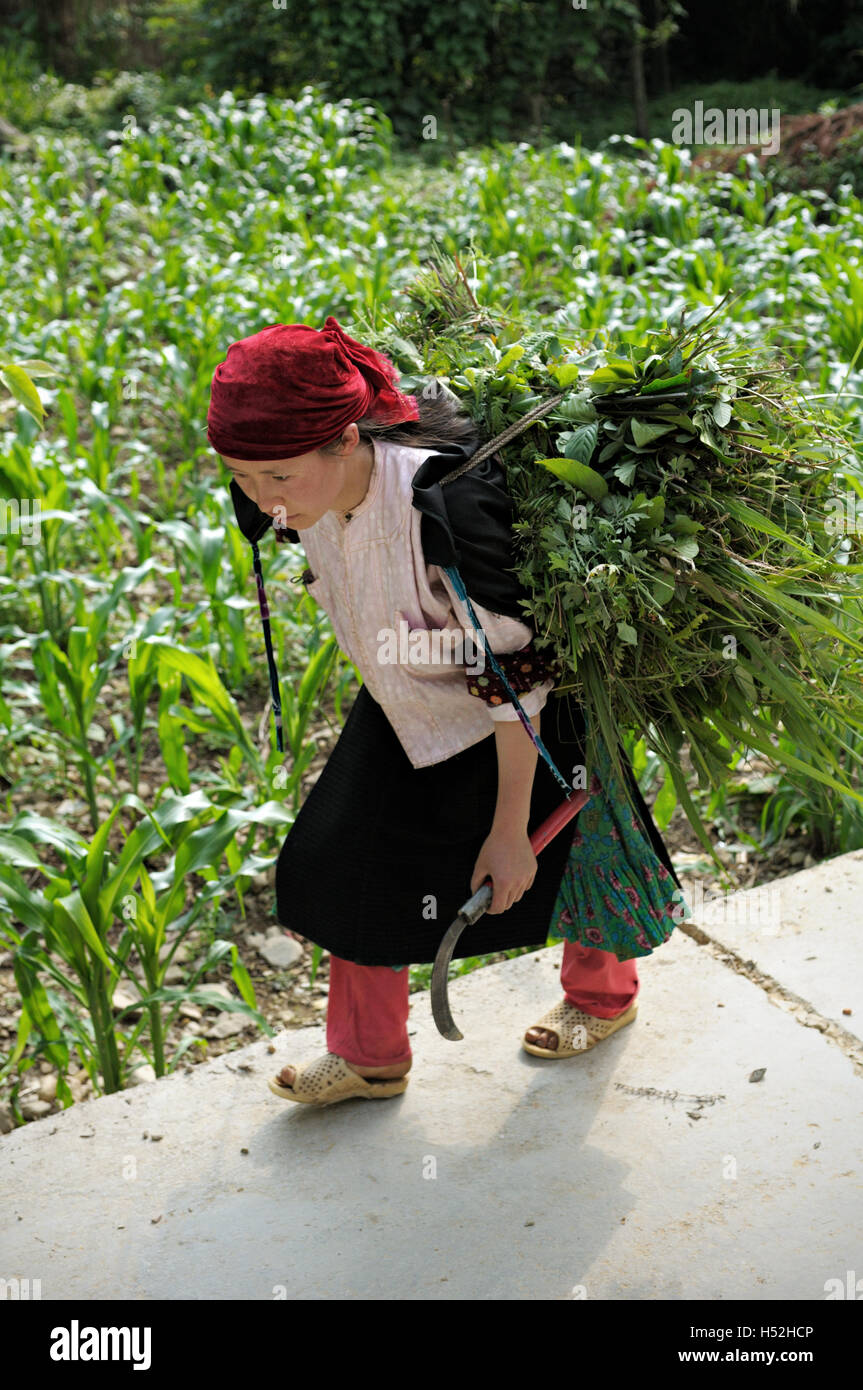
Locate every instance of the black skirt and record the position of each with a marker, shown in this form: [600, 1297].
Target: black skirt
[379, 859]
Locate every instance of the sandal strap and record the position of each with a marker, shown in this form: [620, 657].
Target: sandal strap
[326, 1077]
[567, 1021]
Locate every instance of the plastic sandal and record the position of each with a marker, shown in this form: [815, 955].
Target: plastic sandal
[329, 1079]
[580, 1031]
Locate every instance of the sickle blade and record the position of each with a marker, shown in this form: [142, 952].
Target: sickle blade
[440, 979]
[467, 915]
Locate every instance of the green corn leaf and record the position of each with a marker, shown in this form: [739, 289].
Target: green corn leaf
[578, 475]
[71, 916]
[22, 388]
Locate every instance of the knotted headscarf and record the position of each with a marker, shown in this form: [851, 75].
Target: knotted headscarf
[288, 389]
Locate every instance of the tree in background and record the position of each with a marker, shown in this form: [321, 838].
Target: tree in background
[484, 69]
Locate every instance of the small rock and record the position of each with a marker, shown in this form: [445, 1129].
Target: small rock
[758, 1074]
[226, 1026]
[48, 1088]
[185, 949]
[35, 1109]
[7, 1121]
[174, 975]
[218, 988]
[281, 951]
[141, 1075]
[190, 1011]
[123, 998]
[797, 856]
[813, 1021]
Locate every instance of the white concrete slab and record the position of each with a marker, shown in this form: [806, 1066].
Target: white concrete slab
[804, 930]
[495, 1176]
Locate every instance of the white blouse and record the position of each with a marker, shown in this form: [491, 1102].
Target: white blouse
[372, 579]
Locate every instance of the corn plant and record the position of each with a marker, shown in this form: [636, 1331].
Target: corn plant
[104, 912]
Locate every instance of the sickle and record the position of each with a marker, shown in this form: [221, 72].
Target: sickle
[476, 906]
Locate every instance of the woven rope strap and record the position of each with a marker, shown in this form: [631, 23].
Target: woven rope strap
[509, 433]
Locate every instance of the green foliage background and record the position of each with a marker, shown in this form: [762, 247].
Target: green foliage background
[500, 69]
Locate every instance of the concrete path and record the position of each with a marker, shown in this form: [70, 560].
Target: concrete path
[652, 1167]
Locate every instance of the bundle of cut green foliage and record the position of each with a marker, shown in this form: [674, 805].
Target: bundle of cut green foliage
[682, 529]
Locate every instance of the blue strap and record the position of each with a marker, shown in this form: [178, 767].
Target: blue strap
[458, 585]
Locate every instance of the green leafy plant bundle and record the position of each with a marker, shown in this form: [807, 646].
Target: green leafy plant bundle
[687, 530]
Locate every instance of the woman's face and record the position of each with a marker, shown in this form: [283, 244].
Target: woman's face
[296, 492]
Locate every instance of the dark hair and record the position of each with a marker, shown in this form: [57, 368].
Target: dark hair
[443, 420]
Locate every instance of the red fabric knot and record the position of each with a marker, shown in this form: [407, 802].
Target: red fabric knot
[288, 389]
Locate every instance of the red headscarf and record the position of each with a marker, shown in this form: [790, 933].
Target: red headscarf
[288, 389]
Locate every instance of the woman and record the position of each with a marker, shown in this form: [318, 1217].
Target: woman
[433, 784]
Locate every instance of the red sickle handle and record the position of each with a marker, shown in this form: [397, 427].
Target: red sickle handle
[538, 841]
[557, 820]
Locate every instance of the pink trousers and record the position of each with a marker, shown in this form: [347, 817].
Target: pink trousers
[367, 1013]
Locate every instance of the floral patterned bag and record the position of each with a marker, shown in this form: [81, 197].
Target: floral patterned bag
[615, 893]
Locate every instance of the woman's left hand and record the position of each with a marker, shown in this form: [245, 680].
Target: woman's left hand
[507, 858]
